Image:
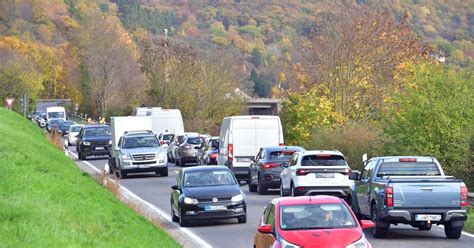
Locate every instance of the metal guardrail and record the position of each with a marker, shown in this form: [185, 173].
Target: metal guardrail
[77, 118]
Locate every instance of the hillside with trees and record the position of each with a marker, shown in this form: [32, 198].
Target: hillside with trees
[384, 77]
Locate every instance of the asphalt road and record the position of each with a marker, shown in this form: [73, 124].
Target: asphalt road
[228, 233]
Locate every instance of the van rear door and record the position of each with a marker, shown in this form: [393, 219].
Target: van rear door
[267, 132]
[243, 140]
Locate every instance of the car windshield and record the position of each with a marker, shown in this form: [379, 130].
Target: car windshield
[194, 140]
[56, 115]
[55, 122]
[168, 136]
[323, 160]
[96, 132]
[408, 169]
[136, 142]
[180, 139]
[315, 216]
[75, 129]
[208, 178]
[66, 124]
[284, 155]
[214, 143]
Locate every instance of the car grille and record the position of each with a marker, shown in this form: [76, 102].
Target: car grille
[140, 157]
[144, 163]
[99, 143]
[219, 199]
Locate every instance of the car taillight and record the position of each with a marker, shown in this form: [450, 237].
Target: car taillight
[464, 191]
[213, 155]
[187, 147]
[407, 160]
[282, 144]
[162, 142]
[230, 149]
[270, 165]
[302, 172]
[389, 196]
[346, 171]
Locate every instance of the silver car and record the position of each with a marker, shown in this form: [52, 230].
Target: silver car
[140, 152]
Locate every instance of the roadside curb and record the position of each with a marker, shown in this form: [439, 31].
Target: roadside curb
[156, 216]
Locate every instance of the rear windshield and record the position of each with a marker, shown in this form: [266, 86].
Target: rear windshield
[281, 155]
[180, 139]
[168, 136]
[194, 140]
[408, 169]
[323, 160]
[76, 128]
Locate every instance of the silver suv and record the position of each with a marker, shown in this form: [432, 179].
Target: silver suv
[138, 152]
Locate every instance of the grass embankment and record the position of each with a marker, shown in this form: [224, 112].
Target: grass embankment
[45, 201]
[469, 224]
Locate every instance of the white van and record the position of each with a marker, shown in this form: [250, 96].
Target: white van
[241, 138]
[55, 113]
[164, 120]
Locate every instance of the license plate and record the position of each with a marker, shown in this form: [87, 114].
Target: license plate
[243, 160]
[99, 148]
[426, 217]
[324, 175]
[214, 208]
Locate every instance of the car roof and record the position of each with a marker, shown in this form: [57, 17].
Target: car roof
[317, 152]
[205, 168]
[396, 158]
[300, 200]
[139, 135]
[283, 148]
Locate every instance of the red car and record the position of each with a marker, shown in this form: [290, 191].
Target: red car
[310, 221]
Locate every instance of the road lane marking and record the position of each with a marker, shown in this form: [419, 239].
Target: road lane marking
[187, 231]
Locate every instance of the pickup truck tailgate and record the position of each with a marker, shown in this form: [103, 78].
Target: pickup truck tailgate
[426, 193]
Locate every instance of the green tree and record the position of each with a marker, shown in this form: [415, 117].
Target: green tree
[434, 116]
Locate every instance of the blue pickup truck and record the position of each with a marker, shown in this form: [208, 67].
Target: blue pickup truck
[409, 190]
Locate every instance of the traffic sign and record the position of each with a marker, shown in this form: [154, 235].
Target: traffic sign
[9, 101]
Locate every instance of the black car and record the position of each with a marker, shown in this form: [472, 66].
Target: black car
[207, 192]
[266, 167]
[207, 154]
[94, 140]
[64, 127]
[53, 124]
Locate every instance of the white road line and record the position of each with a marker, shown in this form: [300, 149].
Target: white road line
[188, 232]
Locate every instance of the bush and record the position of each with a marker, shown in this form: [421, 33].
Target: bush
[352, 139]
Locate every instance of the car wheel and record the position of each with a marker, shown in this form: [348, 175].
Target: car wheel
[242, 219]
[123, 174]
[181, 163]
[81, 156]
[453, 232]
[164, 172]
[174, 218]
[252, 187]
[183, 223]
[292, 190]
[378, 231]
[262, 190]
[176, 162]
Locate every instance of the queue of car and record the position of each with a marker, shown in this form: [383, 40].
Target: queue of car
[319, 193]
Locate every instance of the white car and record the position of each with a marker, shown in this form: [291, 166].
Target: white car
[73, 132]
[316, 173]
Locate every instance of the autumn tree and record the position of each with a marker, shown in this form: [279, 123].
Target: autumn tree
[354, 55]
[113, 70]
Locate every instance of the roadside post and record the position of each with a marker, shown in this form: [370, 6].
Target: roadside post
[9, 101]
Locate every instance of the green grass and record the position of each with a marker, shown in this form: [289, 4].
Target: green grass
[469, 224]
[45, 201]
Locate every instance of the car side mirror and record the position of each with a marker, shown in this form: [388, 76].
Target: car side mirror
[365, 224]
[265, 229]
[175, 187]
[354, 176]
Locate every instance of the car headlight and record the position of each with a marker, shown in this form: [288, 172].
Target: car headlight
[190, 201]
[86, 143]
[161, 155]
[237, 198]
[286, 244]
[110, 142]
[360, 243]
[126, 156]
